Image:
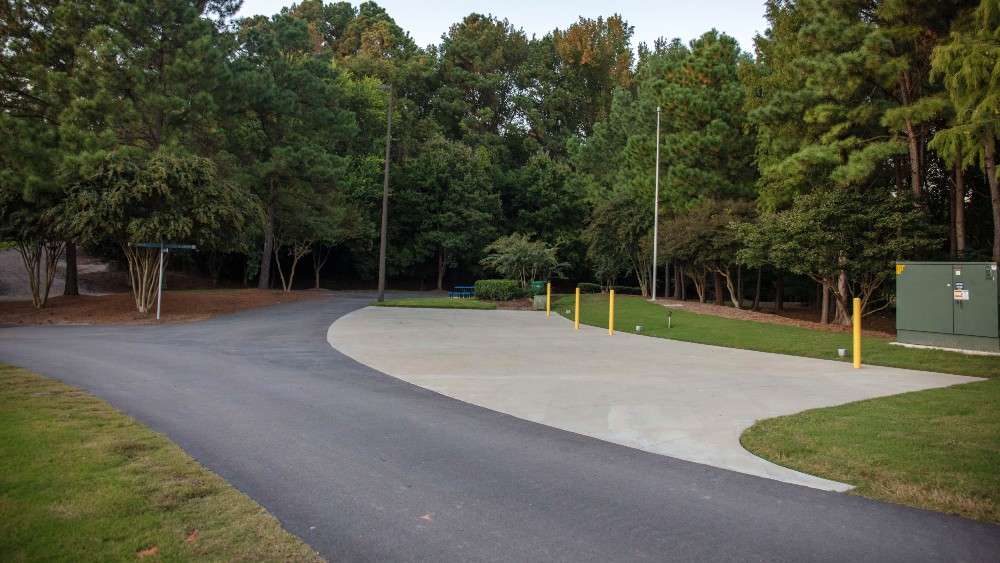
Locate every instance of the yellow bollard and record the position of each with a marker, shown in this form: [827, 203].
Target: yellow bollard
[611, 312]
[576, 315]
[857, 333]
[548, 300]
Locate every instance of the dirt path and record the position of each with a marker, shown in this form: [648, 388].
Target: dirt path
[119, 308]
[14, 280]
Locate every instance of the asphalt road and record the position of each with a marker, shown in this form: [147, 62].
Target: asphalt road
[366, 467]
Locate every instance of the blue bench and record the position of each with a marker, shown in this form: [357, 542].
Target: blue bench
[463, 292]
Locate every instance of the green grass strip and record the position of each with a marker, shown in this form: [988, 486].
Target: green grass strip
[937, 449]
[80, 481]
[766, 337]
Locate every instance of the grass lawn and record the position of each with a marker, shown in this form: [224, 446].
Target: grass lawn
[437, 303]
[80, 481]
[765, 337]
[937, 449]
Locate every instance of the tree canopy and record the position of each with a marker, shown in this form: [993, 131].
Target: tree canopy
[850, 134]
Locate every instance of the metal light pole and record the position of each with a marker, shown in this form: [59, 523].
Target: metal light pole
[385, 202]
[656, 205]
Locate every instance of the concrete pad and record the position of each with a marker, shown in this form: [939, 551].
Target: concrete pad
[689, 401]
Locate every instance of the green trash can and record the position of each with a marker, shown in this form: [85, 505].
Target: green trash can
[538, 288]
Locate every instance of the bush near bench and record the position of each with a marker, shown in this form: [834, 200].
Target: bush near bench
[589, 287]
[499, 290]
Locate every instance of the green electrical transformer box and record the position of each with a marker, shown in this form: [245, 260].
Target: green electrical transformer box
[948, 305]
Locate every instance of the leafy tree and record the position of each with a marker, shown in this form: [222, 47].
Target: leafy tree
[519, 258]
[619, 238]
[38, 43]
[966, 64]
[569, 77]
[291, 138]
[845, 239]
[706, 151]
[542, 200]
[480, 57]
[704, 240]
[459, 205]
[28, 155]
[134, 197]
[841, 94]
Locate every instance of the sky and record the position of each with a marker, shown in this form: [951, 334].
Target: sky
[426, 21]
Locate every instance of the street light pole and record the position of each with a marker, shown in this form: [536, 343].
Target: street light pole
[385, 204]
[656, 205]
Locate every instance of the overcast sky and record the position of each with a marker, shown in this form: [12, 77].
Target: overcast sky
[426, 21]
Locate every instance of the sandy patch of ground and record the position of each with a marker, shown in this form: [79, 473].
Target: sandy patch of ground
[120, 307]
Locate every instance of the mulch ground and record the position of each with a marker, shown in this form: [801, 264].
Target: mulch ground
[119, 308]
[804, 317]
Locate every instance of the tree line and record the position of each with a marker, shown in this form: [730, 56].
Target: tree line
[851, 134]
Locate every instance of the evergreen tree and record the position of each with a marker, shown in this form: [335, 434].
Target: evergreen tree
[967, 65]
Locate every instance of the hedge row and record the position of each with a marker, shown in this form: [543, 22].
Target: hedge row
[500, 290]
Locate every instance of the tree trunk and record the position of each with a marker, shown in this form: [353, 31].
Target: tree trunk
[739, 286]
[144, 274]
[281, 272]
[215, 260]
[959, 203]
[733, 293]
[291, 275]
[720, 298]
[756, 291]
[952, 242]
[264, 280]
[991, 176]
[842, 316]
[317, 267]
[441, 270]
[72, 286]
[320, 255]
[915, 169]
[779, 293]
[678, 282]
[824, 314]
[666, 279]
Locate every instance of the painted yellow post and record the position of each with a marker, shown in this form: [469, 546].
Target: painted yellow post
[576, 315]
[611, 312]
[548, 300]
[857, 333]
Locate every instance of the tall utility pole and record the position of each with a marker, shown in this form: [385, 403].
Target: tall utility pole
[385, 203]
[656, 205]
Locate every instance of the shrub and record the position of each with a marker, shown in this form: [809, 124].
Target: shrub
[499, 290]
[517, 256]
[589, 287]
